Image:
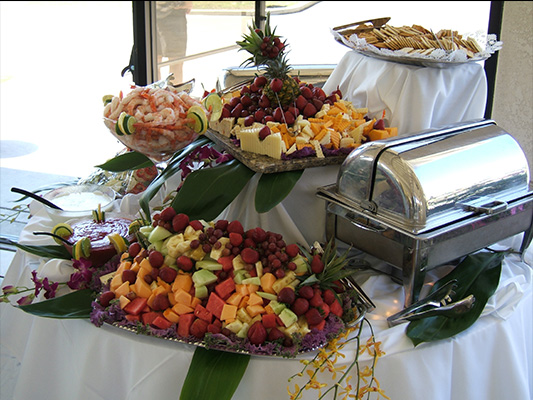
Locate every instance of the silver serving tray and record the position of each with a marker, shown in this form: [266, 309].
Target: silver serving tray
[363, 304]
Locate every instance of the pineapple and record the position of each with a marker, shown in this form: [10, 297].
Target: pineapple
[268, 54]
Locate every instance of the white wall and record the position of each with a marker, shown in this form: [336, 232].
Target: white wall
[513, 93]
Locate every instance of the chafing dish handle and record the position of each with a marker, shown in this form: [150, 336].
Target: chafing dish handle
[495, 206]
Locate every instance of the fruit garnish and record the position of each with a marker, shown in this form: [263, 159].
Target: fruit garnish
[63, 230]
[200, 123]
[268, 53]
[107, 99]
[125, 124]
[118, 242]
[81, 249]
[98, 214]
[213, 102]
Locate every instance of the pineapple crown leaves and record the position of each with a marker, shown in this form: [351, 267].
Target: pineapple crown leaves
[334, 265]
[254, 43]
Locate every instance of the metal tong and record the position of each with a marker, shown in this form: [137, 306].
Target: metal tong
[436, 303]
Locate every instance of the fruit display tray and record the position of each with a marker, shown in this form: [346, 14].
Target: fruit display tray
[269, 165]
[360, 299]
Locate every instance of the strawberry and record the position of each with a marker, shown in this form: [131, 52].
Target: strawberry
[235, 226]
[180, 222]
[313, 316]
[184, 263]
[292, 250]
[235, 239]
[257, 333]
[276, 85]
[249, 255]
[317, 266]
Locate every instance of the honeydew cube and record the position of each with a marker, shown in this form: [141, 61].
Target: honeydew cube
[267, 296]
[276, 306]
[235, 326]
[243, 332]
[170, 260]
[255, 319]
[252, 281]
[203, 277]
[201, 292]
[287, 317]
[243, 315]
[259, 269]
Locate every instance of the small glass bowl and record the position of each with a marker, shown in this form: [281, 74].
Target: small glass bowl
[79, 201]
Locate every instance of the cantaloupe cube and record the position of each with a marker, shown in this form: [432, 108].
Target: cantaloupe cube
[122, 290]
[267, 280]
[242, 289]
[160, 290]
[378, 134]
[255, 310]
[244, 301]
[141, 288]
[182, 281]
[145, 264]
[195, 301]
[255, 299]
[183, 297]
[123, 301]
[171, 299]
[171, 315]
[115, 282]
[252, 288]
[163, 284]
[234, 299]
[393, 131]
[135, 267]
[182, 309]
[229, 312]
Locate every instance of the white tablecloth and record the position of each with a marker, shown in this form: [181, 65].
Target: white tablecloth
[73, 359]
[414, 98]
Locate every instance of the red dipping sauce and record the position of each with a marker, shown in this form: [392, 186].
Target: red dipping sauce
[101, 248]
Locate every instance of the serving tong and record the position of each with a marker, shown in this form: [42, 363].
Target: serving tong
[436, 303]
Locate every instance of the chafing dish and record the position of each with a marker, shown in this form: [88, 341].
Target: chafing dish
[420, 201]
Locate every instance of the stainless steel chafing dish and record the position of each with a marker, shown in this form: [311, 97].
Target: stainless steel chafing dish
[421, 201]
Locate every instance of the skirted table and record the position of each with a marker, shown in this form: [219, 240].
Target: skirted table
[73, 359]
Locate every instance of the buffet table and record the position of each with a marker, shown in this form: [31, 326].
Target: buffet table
[414, 98]
[73, 359]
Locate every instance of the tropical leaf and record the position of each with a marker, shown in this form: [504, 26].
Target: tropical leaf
[477, 274]
[47, 251]
[207, 192]
[214, 375]
[125, 162]
[69, 306]
[273, 188]
[171, 169]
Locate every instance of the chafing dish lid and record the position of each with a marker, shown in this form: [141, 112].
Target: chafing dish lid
[435, 177]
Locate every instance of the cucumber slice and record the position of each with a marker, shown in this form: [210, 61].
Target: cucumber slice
[213, 102]
[128, 126]
[108, 98]
[197, 114]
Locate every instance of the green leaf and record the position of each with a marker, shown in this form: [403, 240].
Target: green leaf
[214, 375]
[171, 169]
[207, 192]
[126, 162]
[73, 305]
[48, 251]
[273, 188]
[477, 274]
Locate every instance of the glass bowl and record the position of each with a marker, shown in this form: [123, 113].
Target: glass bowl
[79, 201]
[158, 142]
